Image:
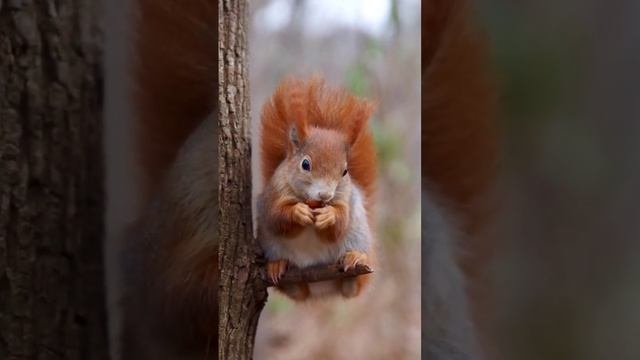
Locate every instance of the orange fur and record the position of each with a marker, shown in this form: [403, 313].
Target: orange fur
[330, 132]
[175, 79]
[170, 302]
[297, 292]
[281, 216]
[308, 104]
[459, 137]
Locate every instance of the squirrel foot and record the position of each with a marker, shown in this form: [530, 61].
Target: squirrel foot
[352, 258]
[275, 269]
[302, 214]
[351, 287]
[297, 292]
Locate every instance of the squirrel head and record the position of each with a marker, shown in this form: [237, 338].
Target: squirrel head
[319, 149]
[317, 163]
[312, 141]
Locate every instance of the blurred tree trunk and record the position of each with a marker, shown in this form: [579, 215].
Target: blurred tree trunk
[51, 197]
[242, 291]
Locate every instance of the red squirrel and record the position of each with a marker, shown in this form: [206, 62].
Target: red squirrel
[319, 169]
[459, 156]
[170, 258]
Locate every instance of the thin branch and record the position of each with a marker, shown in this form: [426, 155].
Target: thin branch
[319, 273]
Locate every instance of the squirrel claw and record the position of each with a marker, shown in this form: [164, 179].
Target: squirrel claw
[275, 270]
[352, 258]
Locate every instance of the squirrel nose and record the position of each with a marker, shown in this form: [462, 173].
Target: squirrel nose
[325, 196]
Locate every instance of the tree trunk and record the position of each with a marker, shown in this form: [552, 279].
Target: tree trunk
[242, 291]
[51, 196]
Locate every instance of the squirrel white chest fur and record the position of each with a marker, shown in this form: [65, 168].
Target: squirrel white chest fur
[309, 248]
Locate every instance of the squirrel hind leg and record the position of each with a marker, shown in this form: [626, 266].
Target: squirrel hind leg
[297, 292]
[352, 287]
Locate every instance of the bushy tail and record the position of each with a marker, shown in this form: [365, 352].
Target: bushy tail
[315, 103]
[459, 137]
[175, 79]
[459, 146]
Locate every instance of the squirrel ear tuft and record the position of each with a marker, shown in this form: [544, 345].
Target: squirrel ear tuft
[293, 136]
[296, 136]
[298, 115]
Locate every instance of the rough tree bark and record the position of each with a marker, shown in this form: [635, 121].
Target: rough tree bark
[242, 291]
[51, 197]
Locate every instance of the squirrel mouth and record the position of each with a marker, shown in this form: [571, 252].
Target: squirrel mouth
[314, 204]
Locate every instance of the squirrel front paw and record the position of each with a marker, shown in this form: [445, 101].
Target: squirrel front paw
[302, 214]
[325, 217]
[275, 270]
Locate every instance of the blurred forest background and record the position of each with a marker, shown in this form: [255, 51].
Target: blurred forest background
[373, 49]
[567, 274]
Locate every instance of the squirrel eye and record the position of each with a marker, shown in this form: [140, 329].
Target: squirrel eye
[306, 165]
[345, 172]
